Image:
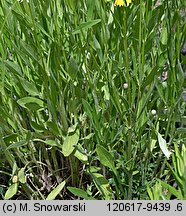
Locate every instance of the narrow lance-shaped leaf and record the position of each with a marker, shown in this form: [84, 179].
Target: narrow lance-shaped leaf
[163, 146]
[29, 87]
[56, 191]
[105, 157]
[80, 193]
[86, 25]
[102, 185]
[31, 103]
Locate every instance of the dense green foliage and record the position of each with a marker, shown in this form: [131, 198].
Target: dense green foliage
[91, 97]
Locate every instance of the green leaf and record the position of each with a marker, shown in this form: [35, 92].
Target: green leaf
[79, 153]
[21, 175]
[172, 190]
[176, 177]
[86, 25]
[53, 127]
[142, 104]
[93, 116]
[48, 142]
[150, 78]
[115, 98]
[152, 144]
[88, 136]
[149, 191]
[30, 51]
[162, 58]
[164, 36]
[105, 157]
[103, 185]
[161, 92]
[31, 103]
[10, 138]
[14, 168]
[153, 19]
[69, 143]
[17, 144]
[163, 146]
[37, 127]
[72, 4]
[178, 161]
[12, 190]
[29, 87]
[94, 169]
[105, 89]
[56, 191]
[72, 68]
[88, 109]
[21, 18]
[80, 193]
[118, 132]
[13, 67]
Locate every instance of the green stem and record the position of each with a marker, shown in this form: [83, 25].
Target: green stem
[63, 115]
[129, 148]
[73, 168]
